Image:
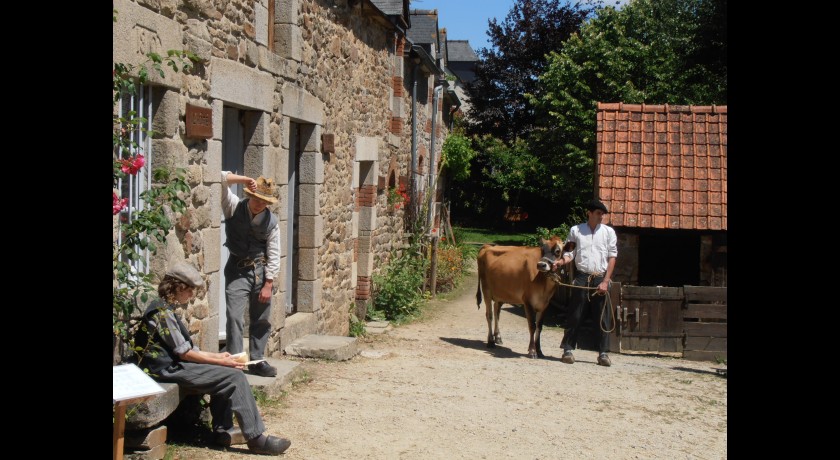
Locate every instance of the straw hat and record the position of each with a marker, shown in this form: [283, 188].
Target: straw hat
[266, 190]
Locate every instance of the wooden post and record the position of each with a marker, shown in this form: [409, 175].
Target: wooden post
[119, 429]
[448, 223]
[433, 275]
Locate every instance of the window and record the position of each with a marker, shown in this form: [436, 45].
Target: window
[137, 106]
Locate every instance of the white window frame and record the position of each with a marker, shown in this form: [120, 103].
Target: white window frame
[141, 103]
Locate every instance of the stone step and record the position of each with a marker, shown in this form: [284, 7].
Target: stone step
[377, 327]
[331, 347]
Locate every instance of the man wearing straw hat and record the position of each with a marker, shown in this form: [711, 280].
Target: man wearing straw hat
[253, 239]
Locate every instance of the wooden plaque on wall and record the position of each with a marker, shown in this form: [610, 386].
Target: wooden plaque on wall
[199, 122]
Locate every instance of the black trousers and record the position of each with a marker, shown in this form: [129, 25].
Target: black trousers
[582, 298]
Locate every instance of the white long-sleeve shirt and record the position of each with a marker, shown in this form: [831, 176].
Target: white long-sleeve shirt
[593, 249]
[272, 252]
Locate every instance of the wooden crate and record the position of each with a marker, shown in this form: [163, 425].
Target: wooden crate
[704, 323]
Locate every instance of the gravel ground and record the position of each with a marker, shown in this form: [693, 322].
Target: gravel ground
[433, 390]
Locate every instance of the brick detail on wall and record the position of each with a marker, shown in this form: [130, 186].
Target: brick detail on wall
[400, 45]
[428, 127]
[366, 196]
[398, 86]
[363, 288]
[396, 125]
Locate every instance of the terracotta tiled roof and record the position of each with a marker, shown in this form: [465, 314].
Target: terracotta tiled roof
[662, 166]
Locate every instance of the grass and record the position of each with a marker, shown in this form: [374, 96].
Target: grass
[482, 235]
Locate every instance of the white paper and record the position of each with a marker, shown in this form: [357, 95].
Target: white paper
[131, 382]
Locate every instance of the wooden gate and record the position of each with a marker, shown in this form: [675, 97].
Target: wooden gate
[690, 320]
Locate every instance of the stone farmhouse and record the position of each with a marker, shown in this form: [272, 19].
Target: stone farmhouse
[337, 100]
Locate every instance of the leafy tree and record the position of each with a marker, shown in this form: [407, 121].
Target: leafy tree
[650, 51]
[531, 30]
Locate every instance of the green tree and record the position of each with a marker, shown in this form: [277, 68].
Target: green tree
[650, 51]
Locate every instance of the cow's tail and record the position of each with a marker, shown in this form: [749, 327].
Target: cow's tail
[478, 294]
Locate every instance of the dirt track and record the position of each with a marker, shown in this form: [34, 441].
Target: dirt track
[432, 390]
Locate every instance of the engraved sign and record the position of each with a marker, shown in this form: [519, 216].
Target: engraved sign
[199, 122]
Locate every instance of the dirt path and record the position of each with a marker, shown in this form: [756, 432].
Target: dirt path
[432, 390]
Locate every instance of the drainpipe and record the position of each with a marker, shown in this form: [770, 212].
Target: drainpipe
[432, 174]
[411, 173]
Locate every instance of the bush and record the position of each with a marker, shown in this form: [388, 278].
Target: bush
[543, 233]
[450, 267]
[398, 288]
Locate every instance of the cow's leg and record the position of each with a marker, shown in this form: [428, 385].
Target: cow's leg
[529, 317]
[540, 314]
[488, 313]
[497, 308]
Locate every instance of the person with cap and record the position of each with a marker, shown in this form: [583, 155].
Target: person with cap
[594, 250]
[253, 239]
[169, 355]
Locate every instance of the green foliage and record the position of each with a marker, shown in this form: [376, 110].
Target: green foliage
[456, 155]
[398, 288]
[543, 233]
[357, 327]
[650, 51]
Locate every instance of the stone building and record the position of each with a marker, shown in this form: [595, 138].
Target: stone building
[337, 100]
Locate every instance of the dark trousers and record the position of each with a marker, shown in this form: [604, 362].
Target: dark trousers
[580, 299]
[229, 390]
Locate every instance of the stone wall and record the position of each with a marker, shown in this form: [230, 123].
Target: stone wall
[335, 70]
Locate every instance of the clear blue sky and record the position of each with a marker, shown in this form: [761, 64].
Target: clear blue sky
[466, 19]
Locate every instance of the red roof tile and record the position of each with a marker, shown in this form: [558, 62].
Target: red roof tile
[663, 166]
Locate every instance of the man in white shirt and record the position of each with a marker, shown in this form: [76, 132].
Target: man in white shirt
[253, 238]
[594, 253]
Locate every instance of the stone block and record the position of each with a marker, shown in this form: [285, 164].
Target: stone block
[257, 129]
[311, 234]
[309, 296]
[287, 41]
[215, 205]
[301, 105]
[256, 161]
[145, 439]
[151, 412]
[166, 116]
[367, 148]
[354, 223]
[366, 258]
[286, 11]
[169, 153]
[308, 266]
[213, 162]
[213, 293]
[282, 206]
[139, 31]
[209, 337]
[335, 348]
[239, 84]
[311, 168]
[156, 453]
[281, 164]
[218, 107]
[309, 200]
[272, 63]
[367, 219]
[212, 249]
[201, 48]
[311, 136]
[354, 273]
[261, 24]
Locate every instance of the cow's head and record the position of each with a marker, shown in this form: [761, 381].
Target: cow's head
[552, 248]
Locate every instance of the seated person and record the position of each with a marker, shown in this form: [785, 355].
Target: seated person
[170, 356]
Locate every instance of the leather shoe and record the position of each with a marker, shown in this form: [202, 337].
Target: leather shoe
[604, 360]
[229, 437]
[263, 369]
[272, 445]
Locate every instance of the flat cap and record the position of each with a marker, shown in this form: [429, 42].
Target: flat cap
[186, 273]
[592, 205]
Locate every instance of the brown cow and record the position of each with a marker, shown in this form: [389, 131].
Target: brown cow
[515, 275]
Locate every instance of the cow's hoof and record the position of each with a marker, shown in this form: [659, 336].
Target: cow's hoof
[540, 354]
[499, 340]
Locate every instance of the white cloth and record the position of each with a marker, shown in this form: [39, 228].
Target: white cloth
[272, 253]
[593, 249]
